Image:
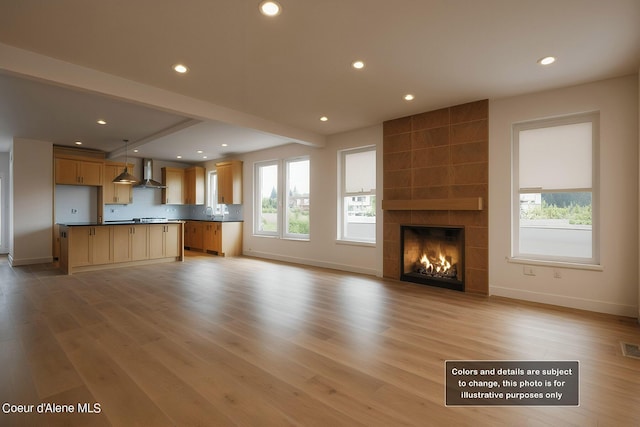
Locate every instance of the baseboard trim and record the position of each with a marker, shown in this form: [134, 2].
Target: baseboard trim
[314, 263]
[13, 262]
[566, 301]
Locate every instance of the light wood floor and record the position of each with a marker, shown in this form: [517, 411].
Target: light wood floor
[238, 341]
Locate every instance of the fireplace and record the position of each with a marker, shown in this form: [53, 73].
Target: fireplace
[432, 255]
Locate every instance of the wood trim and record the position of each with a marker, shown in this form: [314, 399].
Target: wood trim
[460, 204]
[78, 153]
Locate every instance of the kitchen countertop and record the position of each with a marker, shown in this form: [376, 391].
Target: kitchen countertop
[215, 220]
[124, 222]
[130, 222]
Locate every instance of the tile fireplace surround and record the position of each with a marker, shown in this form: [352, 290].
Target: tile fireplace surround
[436, 172]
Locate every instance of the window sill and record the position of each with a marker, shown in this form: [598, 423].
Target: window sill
[558, 264]
[296, 239]
[355, 243]
[273, 236]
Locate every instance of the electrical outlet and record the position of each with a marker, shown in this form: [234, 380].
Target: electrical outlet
[74, 211]
[557, 274]
[528, 271]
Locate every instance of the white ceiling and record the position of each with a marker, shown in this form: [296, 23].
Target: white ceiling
[256, 82]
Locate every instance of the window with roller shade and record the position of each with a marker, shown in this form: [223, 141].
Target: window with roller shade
[555, 177]
[357, 200]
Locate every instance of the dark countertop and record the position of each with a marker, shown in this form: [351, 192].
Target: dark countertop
[97, 224]
[130, 222]
[214, 220]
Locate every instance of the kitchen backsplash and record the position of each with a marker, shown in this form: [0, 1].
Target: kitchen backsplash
[75, 203]
[147, 204]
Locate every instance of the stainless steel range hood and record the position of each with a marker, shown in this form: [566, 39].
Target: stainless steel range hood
[147, 177]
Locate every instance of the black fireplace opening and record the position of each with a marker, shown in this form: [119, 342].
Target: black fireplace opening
[432, 255]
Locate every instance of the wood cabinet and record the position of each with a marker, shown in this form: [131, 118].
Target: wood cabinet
[193, 235]
[229, 182]
[173, 179]
[130, 243]
[212, 237]
[194, 185]
[230, 237]
[221, 238]
[78, 172]
[87, 245]
[165, 241]
[94, 247]
[116, 194]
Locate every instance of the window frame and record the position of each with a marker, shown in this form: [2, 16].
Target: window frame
[282, 189]
[343, 193]
[285, 214]
[516, 255]
[257, 211]
[212, 196]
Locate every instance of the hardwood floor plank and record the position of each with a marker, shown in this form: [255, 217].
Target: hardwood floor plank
[236, 400]
[241, 341]
[120, 398]
[51, 370]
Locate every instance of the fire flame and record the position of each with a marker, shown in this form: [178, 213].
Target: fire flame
[442, 266]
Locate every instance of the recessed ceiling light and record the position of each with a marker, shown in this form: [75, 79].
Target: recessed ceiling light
[547, 60]
[409, 97]
[324, 118]
[178, 157]
[136, 150]
[180, 68]
[78, 142]
[204, 157]
[224, 145]
[358, 65]
[101, 122]
[199, 151]
[270, 8]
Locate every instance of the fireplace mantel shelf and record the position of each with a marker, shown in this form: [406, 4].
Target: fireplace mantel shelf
[458, 204]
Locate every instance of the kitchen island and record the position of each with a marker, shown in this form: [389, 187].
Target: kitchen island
[94, 246]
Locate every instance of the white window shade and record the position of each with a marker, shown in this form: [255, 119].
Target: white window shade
[558, 157]
[360, 176]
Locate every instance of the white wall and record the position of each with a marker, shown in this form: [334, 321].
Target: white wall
[322, 249]
[5, 174]
[615, 288]
[31, 202]
[75, 203]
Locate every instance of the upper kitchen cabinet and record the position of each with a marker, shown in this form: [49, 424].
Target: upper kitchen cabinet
[78, 166]
[78, 172]
[194, 185]
[229, 182]
[173, 179]
[116, 194]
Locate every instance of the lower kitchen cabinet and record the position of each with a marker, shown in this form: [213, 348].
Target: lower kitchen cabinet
[220, 238]
[130, 243]
[194, 235]
[107, 246]
[165, 240]
[90, 245]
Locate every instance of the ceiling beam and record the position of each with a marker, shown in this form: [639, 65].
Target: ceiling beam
[150, 138]
[55, 71]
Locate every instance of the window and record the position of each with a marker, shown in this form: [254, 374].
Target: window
[357, 214]
[297, 214]
[555, 176]
[213, 208]
[266, 212]
[269, 218]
